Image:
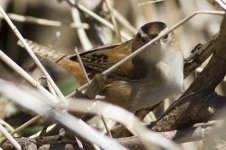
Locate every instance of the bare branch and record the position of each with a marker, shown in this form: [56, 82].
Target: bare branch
[45, 22]
[116, 29]
[10, 138]
[20, 37]
[98, 18]
[138, 51]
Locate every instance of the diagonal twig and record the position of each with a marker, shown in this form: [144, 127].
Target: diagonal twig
[88, 80]
[20, 37]
[45, 22]
[86, 44]
[82, 65]
[141, 49]
[30, 99]
[10, 138]
[98, 18]
[23, 126]
[149, 2]
[30, 80]
[27, 77]
[124, 22]
[110, 10]
[221, 3]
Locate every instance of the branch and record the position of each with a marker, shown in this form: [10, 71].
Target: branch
[180, 136]
[45, 22]
[33, 56]
[199, 102]
[199, 54]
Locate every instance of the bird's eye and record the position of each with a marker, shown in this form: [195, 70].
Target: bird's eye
[143, 40]
[165, 37]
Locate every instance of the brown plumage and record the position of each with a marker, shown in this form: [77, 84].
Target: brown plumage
[143, 81]
[59, 58]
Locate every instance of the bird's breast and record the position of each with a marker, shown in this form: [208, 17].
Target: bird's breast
[163, 79]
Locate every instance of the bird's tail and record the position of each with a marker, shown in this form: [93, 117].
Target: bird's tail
[57, 57]
[44, 51]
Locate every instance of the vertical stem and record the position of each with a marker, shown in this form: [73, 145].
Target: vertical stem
[116, 29]
[20, 37]
[10, 138]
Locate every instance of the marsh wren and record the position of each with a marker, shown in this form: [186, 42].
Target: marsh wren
[148, 78]
[143, 81]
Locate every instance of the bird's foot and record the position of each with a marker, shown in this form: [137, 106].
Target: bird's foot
[95, 86]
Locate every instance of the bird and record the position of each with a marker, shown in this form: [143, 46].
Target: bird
[144, 80]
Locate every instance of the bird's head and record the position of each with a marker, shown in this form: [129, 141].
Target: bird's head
[150, 31]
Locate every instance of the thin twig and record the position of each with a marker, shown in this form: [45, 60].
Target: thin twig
[197, 132]
[86, 76]
[141, 49]
[45, 83]
[80, 145]
[116, 29]
[86, 44]
[23, 126]
[27, 77]
[10, 138]
[31, 99]
[98, 18]
[132, 123]
[88, 80]
[105, 125]
[17, 68]
[20, 37]
[124, 22]
[45, 22]
[149, 2]
[103, 21]
[51, 89]
[221, 3]
[138, 51]
[4, 123]
[82, 65]
[34, 83]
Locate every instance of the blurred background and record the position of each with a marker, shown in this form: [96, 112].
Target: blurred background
[65, 38]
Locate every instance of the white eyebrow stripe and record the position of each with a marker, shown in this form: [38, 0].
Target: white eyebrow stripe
[143, 34]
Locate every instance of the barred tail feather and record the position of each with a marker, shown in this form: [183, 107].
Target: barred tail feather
[75, 68]
[43, 51]
[59, 58]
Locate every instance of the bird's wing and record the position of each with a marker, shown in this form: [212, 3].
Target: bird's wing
[44, 51]
[100, 59]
